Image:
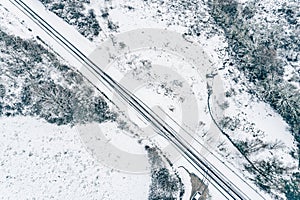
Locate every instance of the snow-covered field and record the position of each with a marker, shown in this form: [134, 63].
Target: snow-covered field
[45, 161]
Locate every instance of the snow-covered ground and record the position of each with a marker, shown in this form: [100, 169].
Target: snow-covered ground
[127, 63]
[44, 161]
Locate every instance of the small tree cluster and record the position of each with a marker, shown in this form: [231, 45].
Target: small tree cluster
[164, 184]
[74, 13]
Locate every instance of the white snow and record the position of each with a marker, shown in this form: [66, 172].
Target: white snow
[81, 181]
[43, 161]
